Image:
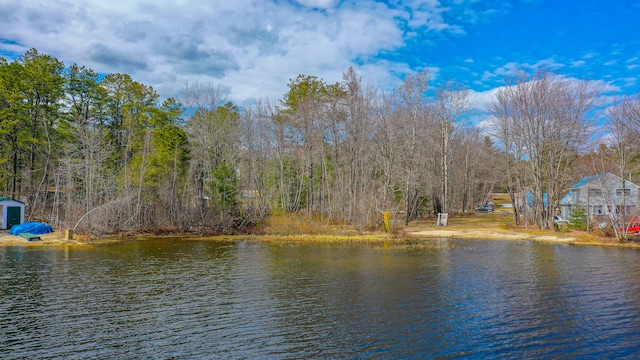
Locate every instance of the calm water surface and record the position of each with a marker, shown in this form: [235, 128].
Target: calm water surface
[177, 299]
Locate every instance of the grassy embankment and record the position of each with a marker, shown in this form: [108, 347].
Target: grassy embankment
[498, 225]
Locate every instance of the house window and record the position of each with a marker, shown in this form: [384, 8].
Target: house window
[626, 192]
[596, 209]
[628, 210]
[595, 192]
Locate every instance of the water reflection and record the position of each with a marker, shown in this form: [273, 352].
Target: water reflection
[420, 299]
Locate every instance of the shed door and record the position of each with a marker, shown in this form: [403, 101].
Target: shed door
[13, 216]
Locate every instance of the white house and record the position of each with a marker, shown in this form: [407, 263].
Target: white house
[601, 194]
[11, 212]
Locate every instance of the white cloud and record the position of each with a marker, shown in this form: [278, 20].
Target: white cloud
[318, 4]
[481, 101]
[509, 68]
[512, 67]
[550, 64]
[630, 81]
[487, 75]
[251, 46]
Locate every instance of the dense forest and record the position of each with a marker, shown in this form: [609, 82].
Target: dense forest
[103, 153]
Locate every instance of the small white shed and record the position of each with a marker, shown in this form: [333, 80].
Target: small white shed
[11, 212]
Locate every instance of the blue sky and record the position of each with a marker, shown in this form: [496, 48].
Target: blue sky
[251, 48]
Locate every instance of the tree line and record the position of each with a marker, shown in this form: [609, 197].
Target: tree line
[102, 153]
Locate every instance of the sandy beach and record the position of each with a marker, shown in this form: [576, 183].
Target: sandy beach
[488, 234]
[55, 238]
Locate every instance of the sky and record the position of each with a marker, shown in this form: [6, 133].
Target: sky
[252, 48]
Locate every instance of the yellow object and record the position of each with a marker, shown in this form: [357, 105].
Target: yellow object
[387, 221]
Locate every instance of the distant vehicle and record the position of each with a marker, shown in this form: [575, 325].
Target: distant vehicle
[560, 221]
[484, 208]
[634, 225]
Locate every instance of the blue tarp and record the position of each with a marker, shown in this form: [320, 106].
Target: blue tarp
[31, 227]
[533, 201]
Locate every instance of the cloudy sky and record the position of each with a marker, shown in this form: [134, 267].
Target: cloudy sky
[253, 47]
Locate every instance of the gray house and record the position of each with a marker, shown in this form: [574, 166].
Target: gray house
[601, 194]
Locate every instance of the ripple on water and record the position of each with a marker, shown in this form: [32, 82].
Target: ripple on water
[189, 299]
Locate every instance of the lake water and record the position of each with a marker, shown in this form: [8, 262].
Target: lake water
[187, 299]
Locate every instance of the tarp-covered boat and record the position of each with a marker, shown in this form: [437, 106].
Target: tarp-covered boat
[32, 227]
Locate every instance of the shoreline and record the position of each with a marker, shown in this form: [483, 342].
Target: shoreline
[521, 236]
[412, 233]
[490, 235]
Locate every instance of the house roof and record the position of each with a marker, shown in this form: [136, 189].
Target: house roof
[585, 180]
[2, 198]
[567, 199]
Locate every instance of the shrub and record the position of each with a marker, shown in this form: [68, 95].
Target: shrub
[578, 218]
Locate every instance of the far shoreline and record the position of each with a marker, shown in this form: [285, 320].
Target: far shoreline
[58, 238]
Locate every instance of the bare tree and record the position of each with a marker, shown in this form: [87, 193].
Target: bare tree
[624, 128]
[543, 120]
[449, 110]
[259, 153]
[386, 151]
[413, 109]
[474, 173]
[356, 171]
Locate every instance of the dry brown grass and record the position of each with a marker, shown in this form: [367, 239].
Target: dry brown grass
[304, 224]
